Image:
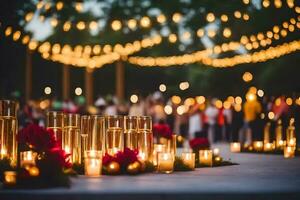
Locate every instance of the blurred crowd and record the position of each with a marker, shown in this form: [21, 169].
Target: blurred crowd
[231, 119]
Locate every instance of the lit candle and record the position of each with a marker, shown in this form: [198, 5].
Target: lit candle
[188, 159]
[289, 152]
[206, 157]
[258, 145]
[27, 158]
[235, 147]
[67, 149]
[268, 147]
[3, 153]
[165, 163]
[291, 142]
[280, 144]
[113, 151]
[158, 148]
[10, 177]
[216, 151]
[93, 163]
[142, 156]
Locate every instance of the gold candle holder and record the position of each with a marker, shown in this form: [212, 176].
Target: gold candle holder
[8, 130]
[10, 177]
[145, 136]
[188, 159]
[258, 145]
[71, 142]
[27, 158]
[165, 163]
[96, 133]
[206, 157]
[268, 147]
[130, 132]
[289, 152]
[158, 148]
[55, 121]
[93, 163]
[235, 147]
[114, 133]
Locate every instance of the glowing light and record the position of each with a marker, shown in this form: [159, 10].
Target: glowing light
[289, 101]
[47, 90]
[247, 77]
[176, 100]
[210, 17]
[172, 38]
[224, 18]
[16, 35]
[184, 85]
[181, 110]
[260, 93]
[132, 23]
[271, 115]
[116, 25]
[218, 104]
[161, 18]
[227, 32]
[145, 22]
[80, 25]
[93, 25]
[29, 16]
[200, 99]
[189, 101]
[67, 26]
[176, 17]
[168, 109]
[250, 96]
[59, 5]
[78, 91]
[162, 87]
[134, 98]
[238, 100]
[237, 14]
[200, 32]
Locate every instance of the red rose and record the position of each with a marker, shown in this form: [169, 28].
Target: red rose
[124, 158]
[199, 143]
[58, 157]
[162, 130]
[37, 138]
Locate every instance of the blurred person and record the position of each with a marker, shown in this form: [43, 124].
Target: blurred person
[111, 108]
[211, 113]
[100, 103]
[137, 109]
[237, 122]
[122, 108]
[252, 108]
[195, 121]
[281, 109]
[227, 113]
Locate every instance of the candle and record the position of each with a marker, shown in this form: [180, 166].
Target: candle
[268, 147]
[113, 151]
[188, 159]
[289, 152]
[258, 145]
[216, 151]
[280, 144]
[165, 163]
[206, 157]
[10, 177]
[235, 147]
[158, 148]
[142, 156]
[27, 158]
[292, 142]
[3, 153]
[93, 163]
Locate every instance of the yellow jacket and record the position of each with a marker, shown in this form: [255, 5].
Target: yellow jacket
[251, 110]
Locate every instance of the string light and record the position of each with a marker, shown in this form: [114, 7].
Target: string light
[116, 25]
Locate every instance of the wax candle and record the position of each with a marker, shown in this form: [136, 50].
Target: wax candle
[235, 147]
[268, 147]
[113, 151]
[158, 148]
[291, 142]
[3, 153]
[165, 163]
[206, 157]
[10, 177]
[143, 156]
[258, 145]
[188, 159]
[280, 144]
[27, 158]
[216, 151]
[289, 152]
[93, 163]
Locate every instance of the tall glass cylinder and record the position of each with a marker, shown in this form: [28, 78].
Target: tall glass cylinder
[8, 130]
[130, 132]
[71, 139]
[84, 130]
[278, 134]
[145, 136]
[96, 133]
[114, 133]
[55, 122]
[171, 145]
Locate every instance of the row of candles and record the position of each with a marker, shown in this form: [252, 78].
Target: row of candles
[288, 146]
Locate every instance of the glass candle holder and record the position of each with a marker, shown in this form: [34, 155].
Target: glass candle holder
[96, 133]
[55, 122]
[258, 145]
[145, 136]
[27, 158]
[235, 147]
[113, 151]
[93, 163]
[8, 130]
[278, 134]
[172, 145]
[114, 132]
[165, 163]
[188, 159]
[84, 125]
[10, 177]
[206, 157]
[268, 147]
[158, 148]
[289, 152]
[71, 142]
[216, 151]
[130, 132]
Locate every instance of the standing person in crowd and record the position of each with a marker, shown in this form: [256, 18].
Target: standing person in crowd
[252, 109]
[137, 109]
[111, 108]
[227, 112]
[195, 121]
[280, 109]
[211, 113]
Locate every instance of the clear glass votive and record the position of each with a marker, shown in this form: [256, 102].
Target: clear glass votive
[206, 157]
[10, 177]
[188, 159]
[27, 158]
[165, 163]
[92, 163]
[235, 147]
[158, 148]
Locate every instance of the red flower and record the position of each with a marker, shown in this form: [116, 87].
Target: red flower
[124, 158]
[107, 159]
[37, 138]
[199, 143]
[58, 157]
[162, 130]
